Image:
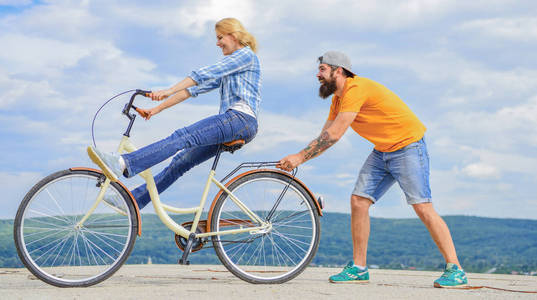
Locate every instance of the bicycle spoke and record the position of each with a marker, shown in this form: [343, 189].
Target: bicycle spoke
[293, 226]
[45, 237]
[103, 241]
[43, 230]
[291, 217]
[48, 216]
[51, 249]
[107, 236]
[63, 243]
[55, 202]
[46, 245]
[277, 252]
[291, 240]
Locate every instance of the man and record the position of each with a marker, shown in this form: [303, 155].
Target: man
[400, 155]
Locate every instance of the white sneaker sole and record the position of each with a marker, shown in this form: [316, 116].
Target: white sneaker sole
[461, 286]
[350, 281]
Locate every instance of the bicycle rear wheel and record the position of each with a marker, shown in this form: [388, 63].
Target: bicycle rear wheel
[58, 252]
[275, 255]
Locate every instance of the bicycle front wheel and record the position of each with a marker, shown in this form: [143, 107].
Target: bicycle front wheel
[55, 247]
[279, 253]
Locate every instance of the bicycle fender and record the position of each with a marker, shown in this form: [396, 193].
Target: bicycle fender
[319, 210]
[131, 197]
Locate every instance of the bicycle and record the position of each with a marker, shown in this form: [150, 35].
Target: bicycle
[67, 236]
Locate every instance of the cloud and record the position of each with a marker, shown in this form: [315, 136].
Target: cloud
[481, 170]
[26, 54]
[189, 18]
[13, 193]
[15, 2]
[515, 28]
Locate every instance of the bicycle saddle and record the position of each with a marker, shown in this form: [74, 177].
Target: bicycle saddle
[233, 145]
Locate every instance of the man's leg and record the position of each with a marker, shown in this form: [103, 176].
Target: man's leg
[410, 167]
[439, 231]
[454, 276]
[360, 235]
[373, 181]
[360, 228]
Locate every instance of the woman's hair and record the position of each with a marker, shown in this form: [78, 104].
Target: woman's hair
[234, 27]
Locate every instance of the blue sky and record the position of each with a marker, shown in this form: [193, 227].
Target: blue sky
[468, 69]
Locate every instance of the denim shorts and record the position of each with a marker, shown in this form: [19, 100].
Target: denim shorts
[409, 166]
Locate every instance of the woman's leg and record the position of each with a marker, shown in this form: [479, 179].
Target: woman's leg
[213, 130]
[239, 126]
[180, 164]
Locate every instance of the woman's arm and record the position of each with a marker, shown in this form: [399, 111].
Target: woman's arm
[182, 85]
[237, 61]
[178, 97]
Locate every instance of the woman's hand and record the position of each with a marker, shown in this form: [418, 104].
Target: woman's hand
[160, 95]
[148, 113]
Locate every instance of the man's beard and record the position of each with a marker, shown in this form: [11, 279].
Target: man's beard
[327, 88]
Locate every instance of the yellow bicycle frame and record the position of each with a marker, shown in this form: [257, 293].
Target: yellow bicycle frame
[161, 209]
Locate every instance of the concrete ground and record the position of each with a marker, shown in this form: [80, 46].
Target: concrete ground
[215, 282]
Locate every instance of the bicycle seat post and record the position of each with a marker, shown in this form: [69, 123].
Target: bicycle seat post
[216, 158]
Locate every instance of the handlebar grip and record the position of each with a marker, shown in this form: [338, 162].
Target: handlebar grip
[143, 93]
[141, 112]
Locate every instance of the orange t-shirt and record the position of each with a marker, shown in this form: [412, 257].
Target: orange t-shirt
[383, 118]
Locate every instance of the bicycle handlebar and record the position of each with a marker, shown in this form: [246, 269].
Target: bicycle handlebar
[129, 105]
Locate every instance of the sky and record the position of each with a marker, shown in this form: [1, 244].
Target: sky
[468, 69]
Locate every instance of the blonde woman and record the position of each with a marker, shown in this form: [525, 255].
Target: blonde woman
[238, 77]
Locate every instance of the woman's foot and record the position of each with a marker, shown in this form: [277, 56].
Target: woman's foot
[110, 163]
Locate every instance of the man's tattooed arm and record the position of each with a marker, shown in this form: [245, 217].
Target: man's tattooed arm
[318, 146]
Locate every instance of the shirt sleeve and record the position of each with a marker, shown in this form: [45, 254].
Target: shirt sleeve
[205, 87]
[235, 62]
[352, 101]
[333, 109]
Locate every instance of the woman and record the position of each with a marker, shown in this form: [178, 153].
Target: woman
[237, 75]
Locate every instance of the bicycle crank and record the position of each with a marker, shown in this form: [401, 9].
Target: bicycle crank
[197, 244]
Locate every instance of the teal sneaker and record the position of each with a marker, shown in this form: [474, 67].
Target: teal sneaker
[453, 277]
[351, 274]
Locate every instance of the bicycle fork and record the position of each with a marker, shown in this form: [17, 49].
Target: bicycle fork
[104, 187]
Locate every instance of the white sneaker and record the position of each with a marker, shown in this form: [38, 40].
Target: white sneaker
[108, 162]
[115, 202]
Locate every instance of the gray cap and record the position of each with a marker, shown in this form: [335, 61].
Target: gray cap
[336, 58]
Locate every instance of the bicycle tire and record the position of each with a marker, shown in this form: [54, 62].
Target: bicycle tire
[54, 249]
[283, 252]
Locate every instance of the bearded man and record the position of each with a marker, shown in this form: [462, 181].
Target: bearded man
[400, 155]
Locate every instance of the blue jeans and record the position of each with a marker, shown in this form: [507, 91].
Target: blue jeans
[199, 142]
[408, 166]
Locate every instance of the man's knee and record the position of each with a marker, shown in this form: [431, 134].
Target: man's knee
[360, 203]
[424, 210]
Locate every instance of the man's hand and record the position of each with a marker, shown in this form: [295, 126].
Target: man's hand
[290, 162]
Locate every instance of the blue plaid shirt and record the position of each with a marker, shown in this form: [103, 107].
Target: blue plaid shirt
[238, 76]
